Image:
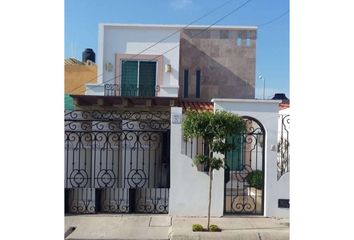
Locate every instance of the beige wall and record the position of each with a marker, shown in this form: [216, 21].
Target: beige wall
[77, 75]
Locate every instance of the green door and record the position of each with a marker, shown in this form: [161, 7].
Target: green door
[138, 78]
[234, 158]
[129, 78]
[147, 79]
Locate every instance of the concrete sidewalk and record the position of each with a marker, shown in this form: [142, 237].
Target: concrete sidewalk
[117, 227]
[257, 228]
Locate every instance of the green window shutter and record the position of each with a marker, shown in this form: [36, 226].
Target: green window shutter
[129, 78]
[147, 79]
[234, 158]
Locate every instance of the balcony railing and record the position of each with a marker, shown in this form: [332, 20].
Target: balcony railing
[131, 90]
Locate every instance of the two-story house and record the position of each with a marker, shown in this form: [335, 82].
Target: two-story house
[124, 150]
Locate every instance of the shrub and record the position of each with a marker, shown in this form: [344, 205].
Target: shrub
[214, 228]
[255, 179]
[197, 228]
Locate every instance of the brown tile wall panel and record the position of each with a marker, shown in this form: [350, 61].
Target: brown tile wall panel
[227, 70]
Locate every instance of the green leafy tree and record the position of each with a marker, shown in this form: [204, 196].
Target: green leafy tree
[214, 128]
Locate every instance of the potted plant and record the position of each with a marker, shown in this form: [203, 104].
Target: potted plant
[255, 181]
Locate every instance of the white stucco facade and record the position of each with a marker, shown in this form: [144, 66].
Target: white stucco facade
[189, 188]
[267, 113]
[131, 40]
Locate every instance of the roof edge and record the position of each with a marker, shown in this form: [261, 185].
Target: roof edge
[176, 26]
[245, 100]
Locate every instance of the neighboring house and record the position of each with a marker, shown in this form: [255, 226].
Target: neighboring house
[193, 63]
[77, 73]
[124, 150]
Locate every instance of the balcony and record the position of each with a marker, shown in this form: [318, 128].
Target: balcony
[131, 90]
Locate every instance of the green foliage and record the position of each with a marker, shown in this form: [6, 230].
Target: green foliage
[197, 228]
[197, 124]
[214, 128]
[255, 179]
[200, 159]
[216, 163]
[214, 228]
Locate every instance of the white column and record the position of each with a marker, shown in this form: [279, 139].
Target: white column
[270, 124]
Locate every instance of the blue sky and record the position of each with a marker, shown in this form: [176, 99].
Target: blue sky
[83, 16]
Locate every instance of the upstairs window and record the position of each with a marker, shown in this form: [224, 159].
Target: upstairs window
[239, 40]
[185, 83]
[138, 78]
[248, 39]
[197, 84]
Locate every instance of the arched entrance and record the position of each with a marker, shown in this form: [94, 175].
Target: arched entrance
[244, 171]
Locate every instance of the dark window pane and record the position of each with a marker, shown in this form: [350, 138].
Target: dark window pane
[129, 78]
[234, 158]
[185, 83]
[147, 79]
[197, 93]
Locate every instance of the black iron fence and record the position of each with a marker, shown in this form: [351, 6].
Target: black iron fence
[117, 161]
[283, 146]
[131, 90]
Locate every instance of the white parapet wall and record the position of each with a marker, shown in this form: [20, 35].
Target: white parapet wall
[94, 89]
[267, 113]
[189, 187]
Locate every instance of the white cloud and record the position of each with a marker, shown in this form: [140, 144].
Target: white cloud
[179, 4]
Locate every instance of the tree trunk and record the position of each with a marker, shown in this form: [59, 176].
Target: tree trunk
[210, 184]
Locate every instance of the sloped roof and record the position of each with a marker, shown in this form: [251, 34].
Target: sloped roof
[209, 106]
[196, 105]
[73, 61]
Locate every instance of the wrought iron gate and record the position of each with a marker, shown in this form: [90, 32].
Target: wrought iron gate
[117, 162]
[244, 171]
[283, 146]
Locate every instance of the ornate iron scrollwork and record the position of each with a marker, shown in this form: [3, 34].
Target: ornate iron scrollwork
[242, 196]
[109, 153]
[283, 146]
[130, 90]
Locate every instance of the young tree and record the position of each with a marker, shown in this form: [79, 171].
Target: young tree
[214, 128]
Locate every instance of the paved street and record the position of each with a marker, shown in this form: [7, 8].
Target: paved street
[114, 227]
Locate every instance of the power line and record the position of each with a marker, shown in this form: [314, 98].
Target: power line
[220, 19]
[274, 19]
[161, 40]
[217, 21]
[179, 30]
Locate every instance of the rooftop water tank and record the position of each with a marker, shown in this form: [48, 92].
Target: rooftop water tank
[281, 96]
[88, 54]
